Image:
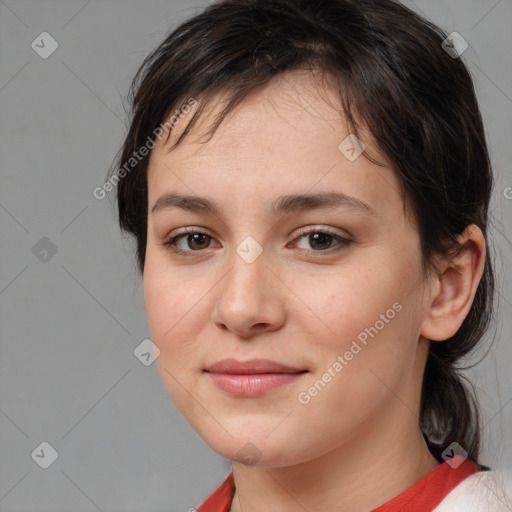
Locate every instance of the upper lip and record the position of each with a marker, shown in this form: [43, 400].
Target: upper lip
[234, 366]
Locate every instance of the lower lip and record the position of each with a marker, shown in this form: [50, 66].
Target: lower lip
[253, 384]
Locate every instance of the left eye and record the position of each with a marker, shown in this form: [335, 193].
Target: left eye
[321, 241]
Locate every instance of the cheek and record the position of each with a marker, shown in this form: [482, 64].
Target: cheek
[160, 304]
[341, 306]
[169, 303]
[364, 315]
[169, 309]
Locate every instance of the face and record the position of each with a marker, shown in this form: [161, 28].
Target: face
[292, 251]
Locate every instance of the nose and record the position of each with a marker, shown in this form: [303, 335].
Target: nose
[250, 299]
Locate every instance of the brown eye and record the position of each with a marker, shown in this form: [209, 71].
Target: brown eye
[319, 241]
[188, 242]
[198, 241]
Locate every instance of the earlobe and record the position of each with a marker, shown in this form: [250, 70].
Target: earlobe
[454, 287]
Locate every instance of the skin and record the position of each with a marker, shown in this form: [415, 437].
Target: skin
[357, 443]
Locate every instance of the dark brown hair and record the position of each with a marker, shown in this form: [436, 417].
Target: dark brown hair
[396, 80]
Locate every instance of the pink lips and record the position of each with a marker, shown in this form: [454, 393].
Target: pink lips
[251, 378]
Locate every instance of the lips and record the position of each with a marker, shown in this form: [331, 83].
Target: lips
[251, 378]
[232, 366]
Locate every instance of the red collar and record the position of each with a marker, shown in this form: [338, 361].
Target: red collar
[426, 494]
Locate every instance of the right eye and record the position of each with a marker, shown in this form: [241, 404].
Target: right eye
[188, 242]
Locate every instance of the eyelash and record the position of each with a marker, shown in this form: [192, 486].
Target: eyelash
[170, 243]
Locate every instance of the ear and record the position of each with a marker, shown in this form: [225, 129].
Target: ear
[453, 288]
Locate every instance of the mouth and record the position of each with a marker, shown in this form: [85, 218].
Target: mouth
[252, 378]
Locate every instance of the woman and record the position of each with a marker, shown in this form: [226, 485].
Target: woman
[308, 185]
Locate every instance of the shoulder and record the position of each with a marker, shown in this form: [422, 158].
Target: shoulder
[484, 491]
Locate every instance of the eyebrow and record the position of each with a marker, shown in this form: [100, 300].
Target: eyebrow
[283, 205]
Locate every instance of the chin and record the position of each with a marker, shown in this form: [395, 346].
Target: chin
[256, 448]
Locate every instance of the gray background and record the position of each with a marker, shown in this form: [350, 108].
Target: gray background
[69, 325]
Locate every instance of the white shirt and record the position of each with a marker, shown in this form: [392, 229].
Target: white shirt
[484, 491]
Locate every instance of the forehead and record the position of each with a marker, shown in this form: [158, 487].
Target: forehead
[292, 97]
[290, 136]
